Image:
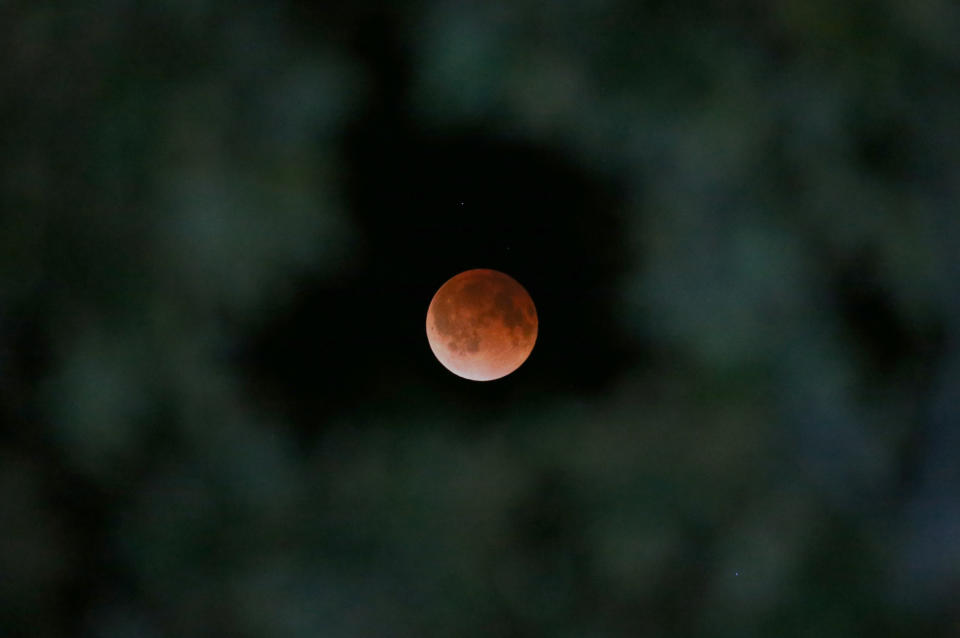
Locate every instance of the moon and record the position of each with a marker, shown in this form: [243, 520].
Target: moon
[481, 325]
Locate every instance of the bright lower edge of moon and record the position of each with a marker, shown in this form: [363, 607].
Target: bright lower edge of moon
[482, 325]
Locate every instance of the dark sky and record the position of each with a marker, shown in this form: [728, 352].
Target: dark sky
[426, 209]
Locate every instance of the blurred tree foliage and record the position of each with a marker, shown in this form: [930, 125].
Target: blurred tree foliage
[779, 460]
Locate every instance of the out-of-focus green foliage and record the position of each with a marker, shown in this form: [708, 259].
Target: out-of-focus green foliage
[169, 170]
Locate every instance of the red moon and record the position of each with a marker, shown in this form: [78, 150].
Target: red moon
[481, 325]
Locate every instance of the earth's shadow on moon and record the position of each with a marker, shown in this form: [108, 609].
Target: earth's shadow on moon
[481, 324]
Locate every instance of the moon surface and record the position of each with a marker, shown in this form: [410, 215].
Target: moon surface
[481, 325]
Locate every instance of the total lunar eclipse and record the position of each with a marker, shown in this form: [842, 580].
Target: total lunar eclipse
[481, 325]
